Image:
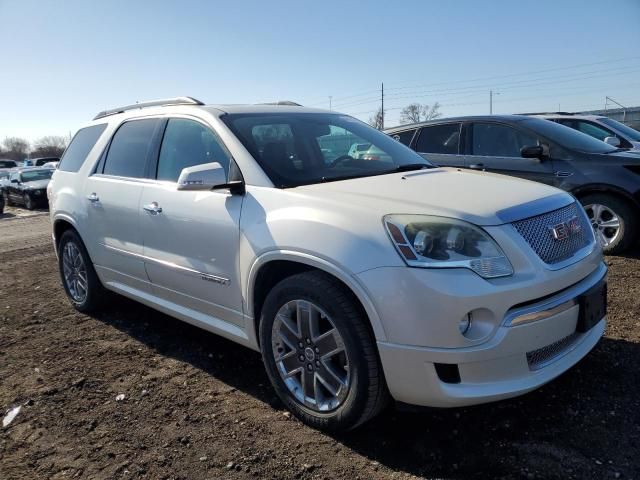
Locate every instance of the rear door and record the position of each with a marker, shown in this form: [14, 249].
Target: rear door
[113, 196]
[440, 144]
[495, 147]
[191, 238]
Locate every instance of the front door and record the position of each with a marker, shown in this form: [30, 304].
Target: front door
[495, 147]
[191, 238]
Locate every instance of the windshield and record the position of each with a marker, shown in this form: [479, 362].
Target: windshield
[626, 130]
[304, 148]
[7, 163]
[34, 175]
[567, 137]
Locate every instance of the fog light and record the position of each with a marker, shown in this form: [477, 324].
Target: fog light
[465, 324]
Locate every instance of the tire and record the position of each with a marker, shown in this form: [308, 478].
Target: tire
[28, 202]
[337, 311]
[94, 293]
[626, 233]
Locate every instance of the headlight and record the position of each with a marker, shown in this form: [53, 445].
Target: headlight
[440, 242]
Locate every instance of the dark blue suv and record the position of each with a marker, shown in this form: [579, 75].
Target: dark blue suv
[605, 179]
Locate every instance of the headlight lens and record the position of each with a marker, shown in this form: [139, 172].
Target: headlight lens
[440, 242]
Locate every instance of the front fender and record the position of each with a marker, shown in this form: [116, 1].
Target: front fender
[349, 280]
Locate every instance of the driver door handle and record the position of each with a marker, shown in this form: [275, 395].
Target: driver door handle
[153, 208]
[93, 198]
[477, 166]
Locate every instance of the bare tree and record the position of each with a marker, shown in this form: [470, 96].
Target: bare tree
[15, 148]
[377, 120]
[416, 112]
[49, 146]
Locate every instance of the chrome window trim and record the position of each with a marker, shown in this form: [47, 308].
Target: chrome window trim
[203, 276]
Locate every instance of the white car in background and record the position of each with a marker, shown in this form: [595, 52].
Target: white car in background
[356, 280]
[603, 128]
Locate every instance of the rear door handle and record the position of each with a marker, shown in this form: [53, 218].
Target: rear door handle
[153, 208]
[93, 198]
[477, 166]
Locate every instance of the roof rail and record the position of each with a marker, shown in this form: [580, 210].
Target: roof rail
[282, 102]
[548, 113]
[150, 103]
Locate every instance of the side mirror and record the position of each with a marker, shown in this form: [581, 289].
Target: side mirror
[533, 151]
[202, 177]
[208, 176]
[613, 141]
[15, 180]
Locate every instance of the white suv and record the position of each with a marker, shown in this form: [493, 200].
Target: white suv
[357, 280]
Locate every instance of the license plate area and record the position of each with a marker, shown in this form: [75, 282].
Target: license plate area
[593, 306]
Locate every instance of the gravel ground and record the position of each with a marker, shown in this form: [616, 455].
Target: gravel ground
[131, 393]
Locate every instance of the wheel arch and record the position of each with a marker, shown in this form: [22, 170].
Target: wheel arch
[275, 266]
[62, 223]
[585, 190]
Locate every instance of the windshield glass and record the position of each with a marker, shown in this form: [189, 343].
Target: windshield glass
[7, 163]
[34, 175]
[626, 130]
[568, 137]
[304, 148]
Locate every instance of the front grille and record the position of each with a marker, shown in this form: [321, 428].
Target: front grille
[545, 355]
[537, 231]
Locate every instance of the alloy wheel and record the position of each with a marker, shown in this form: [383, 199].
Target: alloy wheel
[75, 272]
[310, 356]
[605, 222]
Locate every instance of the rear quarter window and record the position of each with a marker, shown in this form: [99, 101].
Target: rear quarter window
[82, 143]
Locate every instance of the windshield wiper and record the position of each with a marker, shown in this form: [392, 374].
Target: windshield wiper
[409, 167]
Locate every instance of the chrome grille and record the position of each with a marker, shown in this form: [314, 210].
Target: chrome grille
[537, 231]
[543, 356]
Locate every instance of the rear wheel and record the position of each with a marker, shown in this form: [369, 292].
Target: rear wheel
[28, 202]
[613, 220]
[79, 278]
[319, 353]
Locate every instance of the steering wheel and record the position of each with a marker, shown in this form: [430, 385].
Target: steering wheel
[341, 159]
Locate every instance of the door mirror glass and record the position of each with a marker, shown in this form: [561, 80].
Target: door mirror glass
[533, 151]
[15, 180]
[613, 141]
[206, 176]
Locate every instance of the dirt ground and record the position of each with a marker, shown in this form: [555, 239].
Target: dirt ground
[199, 407]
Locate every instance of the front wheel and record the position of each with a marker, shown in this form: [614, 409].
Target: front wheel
[613, 220]
[319, 353]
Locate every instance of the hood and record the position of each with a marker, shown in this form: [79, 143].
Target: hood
[37, 184]
[477, 197]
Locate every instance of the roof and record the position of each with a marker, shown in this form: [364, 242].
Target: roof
[285, 106]
[564, 115]
[470, 118]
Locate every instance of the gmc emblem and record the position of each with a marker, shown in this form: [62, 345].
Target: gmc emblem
[565, 229]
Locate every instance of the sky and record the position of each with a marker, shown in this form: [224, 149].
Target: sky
[63, 61]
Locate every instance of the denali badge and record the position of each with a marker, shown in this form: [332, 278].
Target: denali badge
[566, 229]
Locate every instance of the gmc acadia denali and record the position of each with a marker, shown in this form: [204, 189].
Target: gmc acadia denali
[358, 279]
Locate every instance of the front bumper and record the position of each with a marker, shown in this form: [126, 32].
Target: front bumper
[512, 359]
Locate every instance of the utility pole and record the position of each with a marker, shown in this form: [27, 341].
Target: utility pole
[491, 101]
[382, 101]
[330, 97]
[624, 111]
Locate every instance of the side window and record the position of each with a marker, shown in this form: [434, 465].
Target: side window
[187, 143]
[439, 139]
[404, 137]
[77, 151]
[594, 131]
[129, 147]
[497, 140]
